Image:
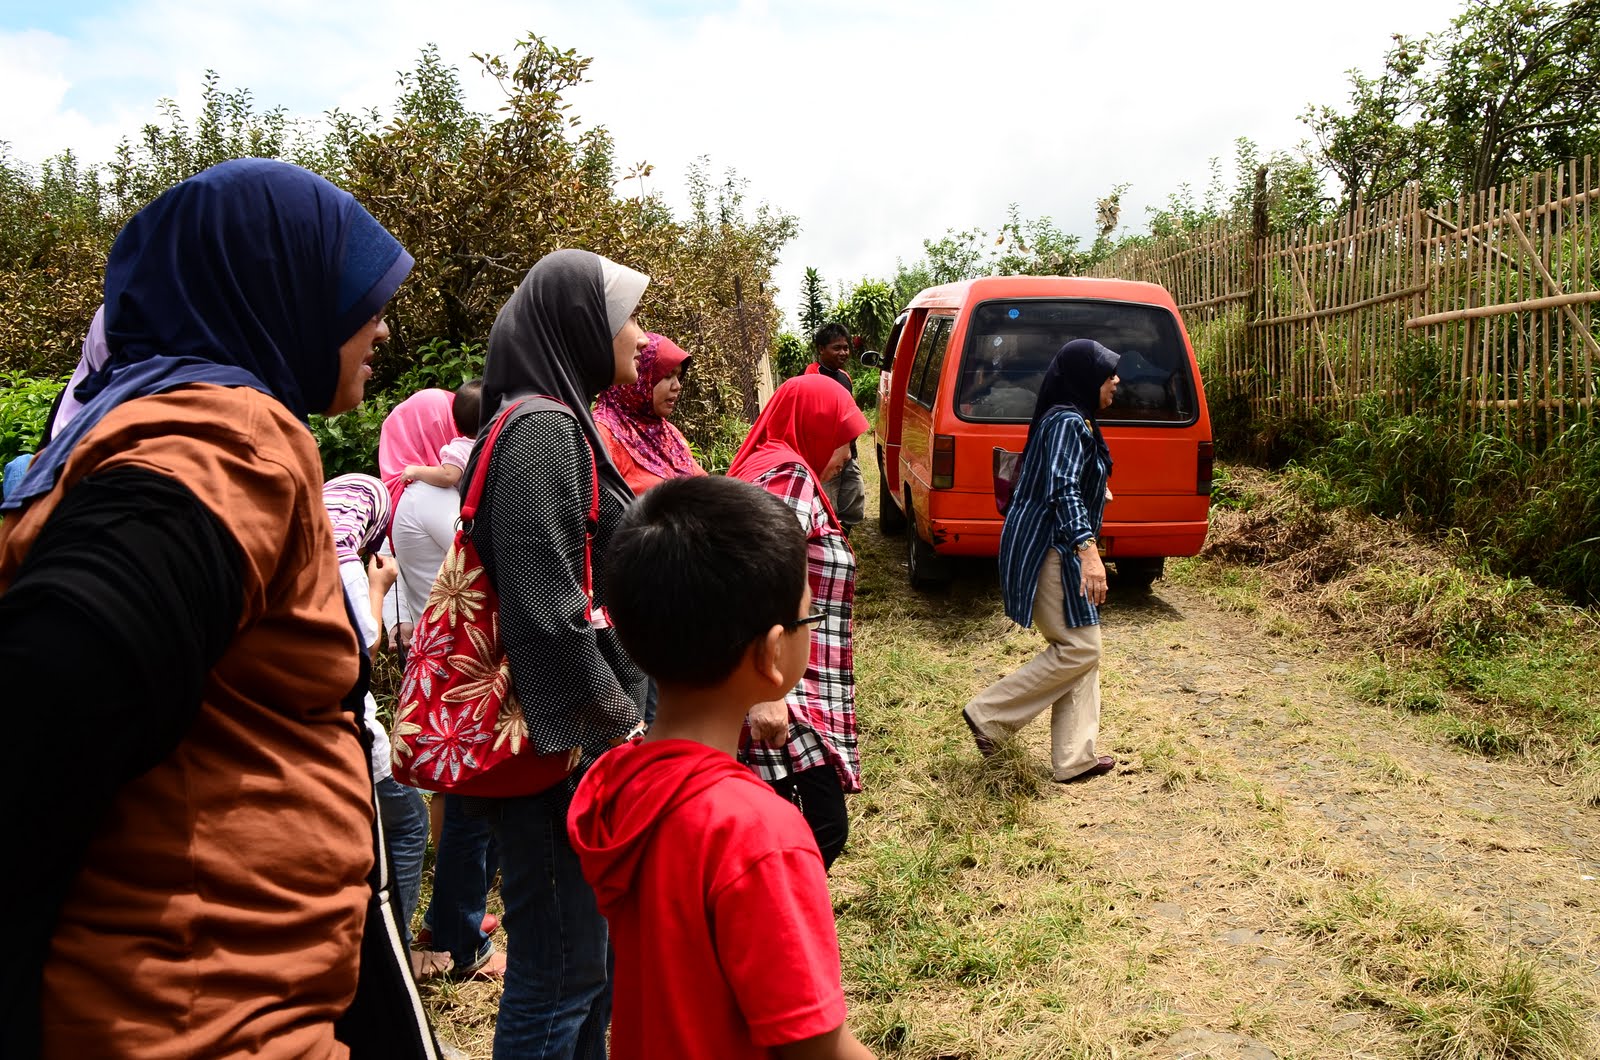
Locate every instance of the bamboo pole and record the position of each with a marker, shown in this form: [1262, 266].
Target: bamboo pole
[1511, 403]
[1589, 280]
[1341, 310]
[1480, 226]
[1363, 324]
[1501, 359]
[1480, 204]
[1525, 426]
[1221, 299]
[1480, 311]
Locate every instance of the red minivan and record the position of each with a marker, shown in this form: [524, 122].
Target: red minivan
[961, 370]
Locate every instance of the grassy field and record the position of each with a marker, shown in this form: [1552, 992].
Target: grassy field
[1305, 852]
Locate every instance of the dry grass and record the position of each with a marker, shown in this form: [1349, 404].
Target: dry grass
[1513, 671]
[985, 912]
[1424, 967]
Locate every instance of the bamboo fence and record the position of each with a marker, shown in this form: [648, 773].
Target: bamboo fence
[1488, 303]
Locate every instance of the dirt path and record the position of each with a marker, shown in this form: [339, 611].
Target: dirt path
[1277, 868]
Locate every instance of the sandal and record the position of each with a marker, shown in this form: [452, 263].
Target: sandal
[430, 964]
[491, 965]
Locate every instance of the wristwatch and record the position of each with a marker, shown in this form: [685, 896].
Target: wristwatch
[1085, 545]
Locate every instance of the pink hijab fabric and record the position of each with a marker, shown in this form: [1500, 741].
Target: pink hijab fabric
[95, 352]
[414, 433]
[629, 413]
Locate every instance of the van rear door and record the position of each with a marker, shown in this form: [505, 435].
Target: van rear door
[1156, 421]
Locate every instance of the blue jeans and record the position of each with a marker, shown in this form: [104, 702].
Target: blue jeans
[405, 834]
[557, 999]
[460, 886]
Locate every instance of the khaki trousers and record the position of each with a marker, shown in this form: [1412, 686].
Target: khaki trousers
[1065, 678]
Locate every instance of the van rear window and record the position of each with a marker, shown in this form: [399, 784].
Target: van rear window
[1010, 344]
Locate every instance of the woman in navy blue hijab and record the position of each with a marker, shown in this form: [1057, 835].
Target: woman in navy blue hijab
[1051, 574]
[181, 666]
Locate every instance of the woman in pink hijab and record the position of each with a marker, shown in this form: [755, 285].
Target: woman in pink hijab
[632, 419]
[424, 521]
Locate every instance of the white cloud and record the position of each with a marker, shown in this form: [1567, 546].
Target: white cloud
[877, 122]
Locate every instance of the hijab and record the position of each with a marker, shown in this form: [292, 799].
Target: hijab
[806, 420]
[629, 413]
[93, 358]
[250, 274]
[413, 433]
[1073, 380]
[358, 507]
[553, 338]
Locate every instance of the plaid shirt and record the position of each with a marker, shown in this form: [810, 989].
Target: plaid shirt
[822, 707]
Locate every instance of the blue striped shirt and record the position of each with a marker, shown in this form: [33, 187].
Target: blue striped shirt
[1058, 501]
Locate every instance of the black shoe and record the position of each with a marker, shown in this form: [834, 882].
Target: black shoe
[1104, 764]
[986, 746]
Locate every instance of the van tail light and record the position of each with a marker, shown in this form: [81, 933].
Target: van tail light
[944, 461]
[1202, 475]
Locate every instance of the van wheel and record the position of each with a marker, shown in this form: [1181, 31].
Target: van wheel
[1137, 574]
[925, 567]
[891, 520]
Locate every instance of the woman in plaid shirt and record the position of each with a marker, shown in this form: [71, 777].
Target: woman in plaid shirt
[805, 746]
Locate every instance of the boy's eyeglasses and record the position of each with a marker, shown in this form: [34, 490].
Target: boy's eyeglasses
[809, 620]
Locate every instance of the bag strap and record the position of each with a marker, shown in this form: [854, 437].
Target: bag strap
[602, 618]
[597, 618]
[480, 470]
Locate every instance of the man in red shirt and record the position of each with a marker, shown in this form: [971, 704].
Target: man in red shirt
[711, 883]
[847, 490]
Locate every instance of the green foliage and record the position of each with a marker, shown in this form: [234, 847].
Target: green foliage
[717, 448]
[813, 303]
[909, 280]
[1293, 194]
[1509, 86]
[442, 364]
[349, 442]
[864, 386]
[1379, 144]
[24, 407]
[1034, 248]
[790, 355]
[1518, 88]
[477, 199]
[868, 312]
[227, 126]
[1527, 515]
[54, 233]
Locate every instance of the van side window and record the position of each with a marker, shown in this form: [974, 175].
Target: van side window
[923, 383]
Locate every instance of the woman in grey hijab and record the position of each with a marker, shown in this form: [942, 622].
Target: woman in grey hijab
[567, 333]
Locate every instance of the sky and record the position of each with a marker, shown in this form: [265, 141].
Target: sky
[877, 123]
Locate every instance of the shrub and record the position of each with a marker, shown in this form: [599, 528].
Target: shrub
[24, 406]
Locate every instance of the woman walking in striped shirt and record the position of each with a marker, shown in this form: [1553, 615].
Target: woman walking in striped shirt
[1051, 573]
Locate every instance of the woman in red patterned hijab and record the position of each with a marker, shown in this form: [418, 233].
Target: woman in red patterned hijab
[633, 419]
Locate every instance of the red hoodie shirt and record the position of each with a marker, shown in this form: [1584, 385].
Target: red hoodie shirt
[717, 901]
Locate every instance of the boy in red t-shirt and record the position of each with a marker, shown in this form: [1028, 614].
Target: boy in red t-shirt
[711, 883]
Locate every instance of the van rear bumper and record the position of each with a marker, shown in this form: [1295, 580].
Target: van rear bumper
[981, 537]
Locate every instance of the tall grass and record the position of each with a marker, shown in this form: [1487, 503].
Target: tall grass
[1522, 512]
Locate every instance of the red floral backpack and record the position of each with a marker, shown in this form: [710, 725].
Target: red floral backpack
[458, 727]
